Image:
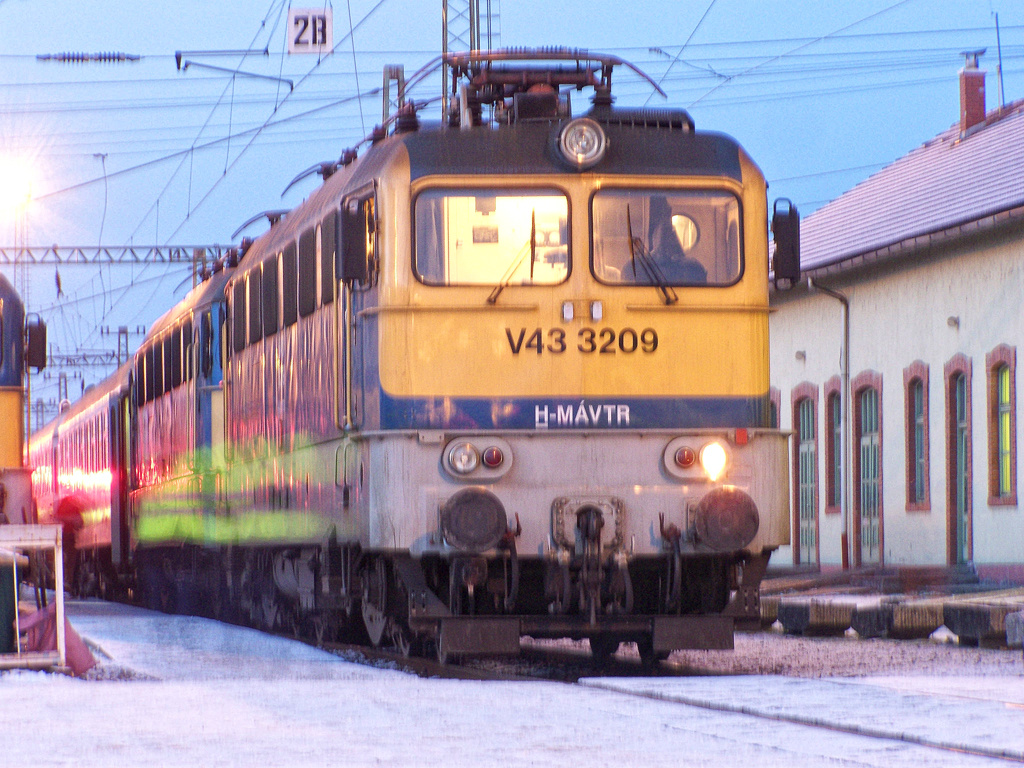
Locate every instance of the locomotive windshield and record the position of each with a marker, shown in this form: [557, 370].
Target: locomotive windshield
[666, 237]
[492, 237]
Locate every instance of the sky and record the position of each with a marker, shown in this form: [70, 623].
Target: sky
[143, 152]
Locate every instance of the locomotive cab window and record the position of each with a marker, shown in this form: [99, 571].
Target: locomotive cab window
[492, 237]
[666, 237]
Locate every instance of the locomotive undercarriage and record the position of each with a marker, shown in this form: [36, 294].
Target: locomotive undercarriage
[403, 602]
[462, 604]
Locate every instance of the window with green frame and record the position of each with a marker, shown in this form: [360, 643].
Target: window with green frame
[1002, 426]
[918, 473]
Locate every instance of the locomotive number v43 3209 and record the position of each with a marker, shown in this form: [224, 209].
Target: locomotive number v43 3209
[604, 341]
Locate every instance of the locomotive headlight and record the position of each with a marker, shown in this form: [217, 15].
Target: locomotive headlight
[582, 142]
[463, 458]
[713, 459]
[726, 519]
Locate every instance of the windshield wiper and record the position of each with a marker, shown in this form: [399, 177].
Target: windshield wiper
[638, 253]
[517, 261]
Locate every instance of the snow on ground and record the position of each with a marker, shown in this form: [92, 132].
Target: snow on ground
[181, 691]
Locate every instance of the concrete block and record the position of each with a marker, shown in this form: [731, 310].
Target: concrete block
[831, 616]
[815, 616]
[873, 620]
[769, 609]
[916, 620]
[976, 623]
[794, 615]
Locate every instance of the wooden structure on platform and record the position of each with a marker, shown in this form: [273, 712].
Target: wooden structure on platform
[17, 544]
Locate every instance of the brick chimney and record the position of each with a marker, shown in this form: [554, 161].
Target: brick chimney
[972, 93]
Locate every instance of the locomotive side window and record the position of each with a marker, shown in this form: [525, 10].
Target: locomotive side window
[327, 244]
[666, 237]
[238, 316]
[307, 272]
[206, 342]
[177, 375]
[254, 303]
[269, 270]
[169, 381]
[358, 262]
[289, 285]
[140, 379]
[158, 369]
[187, 344]
[492, 237]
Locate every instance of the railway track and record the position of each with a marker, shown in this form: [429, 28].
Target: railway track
[572, 664]
[538, 660]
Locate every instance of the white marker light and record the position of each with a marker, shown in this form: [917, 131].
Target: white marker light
[463, 458]
[583, 142]
[713, 458]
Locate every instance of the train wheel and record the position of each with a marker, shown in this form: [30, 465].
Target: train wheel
[602, 648]
[268, 609]
[86, 579]
[259, 594]
[374, 602]
[649, 658]
[442, 656]
[403, 641]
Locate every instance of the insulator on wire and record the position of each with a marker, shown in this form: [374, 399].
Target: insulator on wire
[78, 57]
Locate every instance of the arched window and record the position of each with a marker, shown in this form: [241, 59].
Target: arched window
[833, 432]
[867, 466]
[960, 476]
[1002, 426]
[807, 480]
[915, 381]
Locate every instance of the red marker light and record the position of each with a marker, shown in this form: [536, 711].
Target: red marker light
[493, 457]
[685, 457]
[742, 437]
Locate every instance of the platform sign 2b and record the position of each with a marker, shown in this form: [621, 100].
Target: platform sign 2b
[310, 30]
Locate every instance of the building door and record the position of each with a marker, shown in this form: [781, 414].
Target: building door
[962, 470]
[807, 474]
[870, 477]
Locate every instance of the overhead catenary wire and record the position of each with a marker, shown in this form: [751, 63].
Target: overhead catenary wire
[255, 135]
[838, 71]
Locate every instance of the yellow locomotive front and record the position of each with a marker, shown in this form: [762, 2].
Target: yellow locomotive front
[559, 370]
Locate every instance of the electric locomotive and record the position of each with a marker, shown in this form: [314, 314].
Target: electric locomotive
[539, 404]
[22, 345]
[504, 375]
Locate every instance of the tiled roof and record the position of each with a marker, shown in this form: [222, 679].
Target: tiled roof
[944, 183]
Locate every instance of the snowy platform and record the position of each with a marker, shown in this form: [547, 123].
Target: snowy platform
[182, 691]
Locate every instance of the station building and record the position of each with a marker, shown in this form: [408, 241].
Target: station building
[911, 313]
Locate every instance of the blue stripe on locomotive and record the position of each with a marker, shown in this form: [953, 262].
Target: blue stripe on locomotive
[532, 413]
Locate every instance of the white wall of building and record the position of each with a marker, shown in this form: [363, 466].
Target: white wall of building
[900, 313]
